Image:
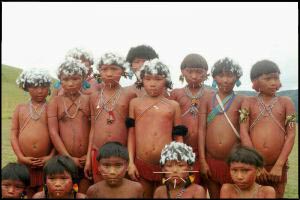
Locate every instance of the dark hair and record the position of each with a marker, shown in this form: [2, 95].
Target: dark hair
[263, 67]
[226, 64]
[194, 61]
[111, 149]
[16, 171]
[141, 51]
[245, 155]
[59, 164]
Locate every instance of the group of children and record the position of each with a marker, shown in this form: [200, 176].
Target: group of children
[97, 139]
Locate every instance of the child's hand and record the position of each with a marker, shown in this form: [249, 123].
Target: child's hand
[42, 161]
[275, 173]
[29, 161]
[87, 170]
[77, 162]
[204, 169]
[133, 172]
[82, 160]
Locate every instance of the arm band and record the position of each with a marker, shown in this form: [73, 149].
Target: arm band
[130, 122]
[180, 130]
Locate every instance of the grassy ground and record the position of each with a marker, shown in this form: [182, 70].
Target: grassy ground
[12, 95]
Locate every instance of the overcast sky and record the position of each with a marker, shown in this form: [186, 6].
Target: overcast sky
[39, 34]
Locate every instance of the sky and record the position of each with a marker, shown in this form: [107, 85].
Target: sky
[36, 34]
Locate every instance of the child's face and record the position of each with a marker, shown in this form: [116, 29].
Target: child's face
[137, 64]
[12, 188]
[39, 93]
[225, 81]
[154, 84]
[59, 185]
[113, 169]
[111, 74]
[194, 76]
[176, 168]
[269, 83]
[243, 175]
[71, 84]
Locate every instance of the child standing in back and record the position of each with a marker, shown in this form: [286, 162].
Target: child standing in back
[268, 124]
[30, 138]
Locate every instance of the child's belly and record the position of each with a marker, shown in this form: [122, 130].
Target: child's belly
[192, 137]
[268, 139]
[106, 133]
[220, 139]
[35, 140]
[75, 136]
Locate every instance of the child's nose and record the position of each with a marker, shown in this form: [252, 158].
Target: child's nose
[11, 189]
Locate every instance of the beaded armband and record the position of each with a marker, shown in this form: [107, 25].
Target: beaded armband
[290, 120]
[130, 122]
[244, 114]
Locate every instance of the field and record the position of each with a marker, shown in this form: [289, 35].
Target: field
[12, 95]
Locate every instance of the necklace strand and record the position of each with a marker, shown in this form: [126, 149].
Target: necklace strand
[76, 111]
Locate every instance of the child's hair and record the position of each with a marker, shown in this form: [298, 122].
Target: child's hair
[113, 149]
[16, 171]
[156, 67]
[33, 78]
[245, 155]
[58, 164]
[72, 66]
[263, 67]
[80, 54]
[194, 61]
[141, 51]
[111, 58]
[177, 151]
[226, 64]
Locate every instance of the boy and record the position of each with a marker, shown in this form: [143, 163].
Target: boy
[14, 181]
[245, 164]
[152, 118]
[90, 85]
[194, 70]
[69, 117]
[29, 135]
[113, 164]
[136, 57]
[177, 163]
[268, 124]
[219, 124]
[60, 179]
[109, 109]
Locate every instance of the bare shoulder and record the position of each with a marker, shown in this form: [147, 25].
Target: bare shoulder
[92, 190]
[80, 196]
[134, 185]
[39, 195]
[198, 191]
[227, 188]
[159, 191]
[85, 97]
[176, 91]
[129, 91]
[285, 99]
[268, 191]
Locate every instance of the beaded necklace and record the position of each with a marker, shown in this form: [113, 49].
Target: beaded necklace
[76, 110]
[193, 109]
[34, 114]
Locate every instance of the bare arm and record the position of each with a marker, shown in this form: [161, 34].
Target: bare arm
[53, 128]
[14, 133]
[132, 171]
[177, 120]
[245, 124]
[276, 171]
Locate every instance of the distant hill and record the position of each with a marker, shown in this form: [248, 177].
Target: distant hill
[12, 95]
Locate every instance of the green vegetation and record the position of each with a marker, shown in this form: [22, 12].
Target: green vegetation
[12, 95]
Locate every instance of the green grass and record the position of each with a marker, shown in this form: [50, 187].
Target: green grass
[12, 95]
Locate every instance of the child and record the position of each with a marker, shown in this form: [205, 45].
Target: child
[69, 117]
[109, 109]
[194, 70]
[29, 135]
[90, 85]
[14, 181]
[136, 57]
[60, 179]
[245, 164]
[268, 124]
[152, 118]
[219, 124]
[177, 161]
[113, 163]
